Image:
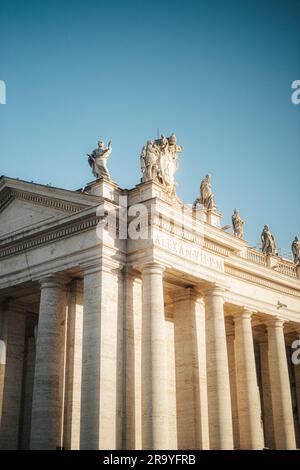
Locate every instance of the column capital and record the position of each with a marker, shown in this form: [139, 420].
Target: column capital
[76, 285]
[242, 314]
[53, 281]
[153, 268]
[101, 264]
[131, 272]
[275, 322]
[214, 289]
[185, 294]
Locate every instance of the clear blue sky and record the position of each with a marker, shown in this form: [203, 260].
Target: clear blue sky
[218, 73]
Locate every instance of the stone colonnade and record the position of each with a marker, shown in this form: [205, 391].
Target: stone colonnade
[92, 389]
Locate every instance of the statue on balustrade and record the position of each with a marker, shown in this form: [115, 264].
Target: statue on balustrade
[206, 199]
[237, 224]
[296, 251]
[268, 242]
[159, 161]
[98, 159]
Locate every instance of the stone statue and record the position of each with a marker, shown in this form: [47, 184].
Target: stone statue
[149, 160]
[237, 224]
[159, 161]
[296, 250]
[98, 159]
[268, 241]
[206, 198]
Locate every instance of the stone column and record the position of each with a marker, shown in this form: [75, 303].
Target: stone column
[185, 361]
[296, 362]
[248, 400]
[218, 387]
[3, 341]
[154, 373]
[13, 344]
[266, 396]
[46, 408]
[132, 433]
[171, 371]
[102, 355]
[73, 366]
[200, 375]
[233, 389]
[189, 387]
[280, 387]
[28, 381]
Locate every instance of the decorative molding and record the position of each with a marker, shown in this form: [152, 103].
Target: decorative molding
[49, 237]
[281, 266]
[9, 194]
[210, 246]
[5, 198]
[260, 281]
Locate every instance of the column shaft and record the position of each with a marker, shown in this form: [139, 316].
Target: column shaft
[46, 419]
[248, 400]
[233, 389]
[3, 342]
[73, 367]
[191, 394]
[185, 361]
[296, 361]
[13, 343]
[102, 356]
[218, 387]
[266, 397]
[154, 373]
[132, 429]
[28, 381]
[280, 387]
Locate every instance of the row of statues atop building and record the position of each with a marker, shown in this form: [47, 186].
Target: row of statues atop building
[159, 163]
[268, 245]
[268, 242]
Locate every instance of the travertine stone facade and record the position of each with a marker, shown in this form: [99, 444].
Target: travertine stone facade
[178, 338]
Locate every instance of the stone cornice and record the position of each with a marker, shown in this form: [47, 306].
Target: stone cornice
[10, 194]
[241, 261]
[65, 228]
[247, 277]
[231, 249]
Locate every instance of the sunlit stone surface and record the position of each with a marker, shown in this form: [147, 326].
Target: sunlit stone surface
[178, 336]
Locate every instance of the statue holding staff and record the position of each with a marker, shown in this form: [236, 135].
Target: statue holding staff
[237, 224]
[268, 241]
[296, 250]
[98, 159]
